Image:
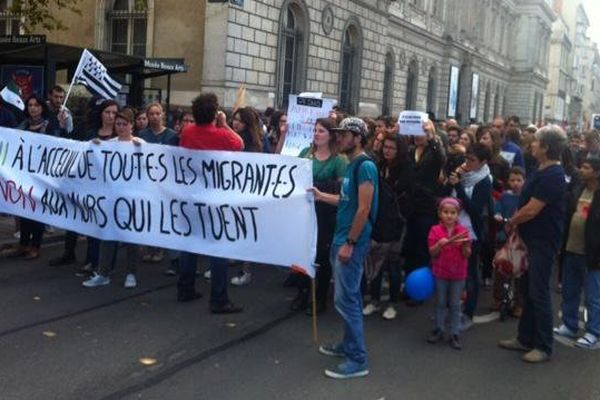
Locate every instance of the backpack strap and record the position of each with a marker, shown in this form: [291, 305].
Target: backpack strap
[359, 162]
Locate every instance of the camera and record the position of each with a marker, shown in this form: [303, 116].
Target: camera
[596, 122]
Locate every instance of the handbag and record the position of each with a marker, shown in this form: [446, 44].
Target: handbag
[511, 260]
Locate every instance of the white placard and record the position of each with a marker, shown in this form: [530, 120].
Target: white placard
[219, 203]
[302, 115]
[474, 97]
[411, 123]
[453, 91]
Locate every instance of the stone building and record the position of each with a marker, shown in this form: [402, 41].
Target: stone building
[377, 56]
[559, 68]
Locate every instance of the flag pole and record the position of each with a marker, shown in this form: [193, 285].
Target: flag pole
[314, 311]
[73, 80]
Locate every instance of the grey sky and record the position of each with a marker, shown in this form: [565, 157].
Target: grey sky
[592, 7]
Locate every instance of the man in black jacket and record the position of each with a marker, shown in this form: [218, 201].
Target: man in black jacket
[582, 258]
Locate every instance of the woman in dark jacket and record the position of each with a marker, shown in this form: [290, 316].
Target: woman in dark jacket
[37, 120]
[426, 160]
[471, 183]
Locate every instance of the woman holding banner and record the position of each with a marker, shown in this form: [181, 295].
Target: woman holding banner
[108, 248]
[328, 171]
[37, 121]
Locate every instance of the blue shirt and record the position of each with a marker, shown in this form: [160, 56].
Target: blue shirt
[513, 154]
[168, 136]
[546, 229]
[506, 206]
[348, 205]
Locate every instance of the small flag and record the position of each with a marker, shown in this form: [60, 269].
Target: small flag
[91, 73]
[13, 98]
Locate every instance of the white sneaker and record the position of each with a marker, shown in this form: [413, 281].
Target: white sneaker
[390, 313]
[587, 341]
[207, 274]
[96, 280]
[130, 281]
[17, 235]
[243, 279]
[370, 309]
[563, 331]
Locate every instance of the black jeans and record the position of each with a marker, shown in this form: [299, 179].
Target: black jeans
[472, 284]
[186, 285]
[416, 248]
[31, 233]
[535, 325]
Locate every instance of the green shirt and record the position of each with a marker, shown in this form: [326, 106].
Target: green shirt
[576, 240]
[333, 168]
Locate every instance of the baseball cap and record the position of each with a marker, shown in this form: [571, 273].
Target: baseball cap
[353, 124]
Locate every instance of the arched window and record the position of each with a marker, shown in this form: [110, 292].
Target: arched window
[350, 71]
[128, 28]
[292, 51]
[10, 24]
[431, 90]
[412, 80]
[388, 84]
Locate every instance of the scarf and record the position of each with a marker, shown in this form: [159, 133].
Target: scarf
[472, 178]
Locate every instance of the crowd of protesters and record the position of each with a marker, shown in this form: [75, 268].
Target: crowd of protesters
[459, 193]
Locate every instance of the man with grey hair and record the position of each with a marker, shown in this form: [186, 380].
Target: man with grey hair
[540, 220]
[357, 209]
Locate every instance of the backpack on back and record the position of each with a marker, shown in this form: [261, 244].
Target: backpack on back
[390, 223]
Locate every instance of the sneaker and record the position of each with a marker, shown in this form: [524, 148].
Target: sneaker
[207, 274]
[85, 270]
[370, 308]
[389, 313]
[455, 342]
[436, 336]
[130, 281]
[487, 283]
[587, 341]
[536, 356]
[466, 323]
[156, 258]
[96, 280]
[513, 344]
[332, 350]
[563, 331]
[242, 279]
[227, 308]
[17, 235]
[347, 370]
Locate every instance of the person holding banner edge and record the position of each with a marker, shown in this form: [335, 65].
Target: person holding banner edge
[210, 132]
[357, 207]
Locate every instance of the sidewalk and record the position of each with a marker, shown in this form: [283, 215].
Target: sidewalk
[7, 231]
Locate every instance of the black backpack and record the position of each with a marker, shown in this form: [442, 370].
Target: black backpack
[390, 223]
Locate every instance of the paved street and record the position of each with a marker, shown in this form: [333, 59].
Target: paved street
[61, 341]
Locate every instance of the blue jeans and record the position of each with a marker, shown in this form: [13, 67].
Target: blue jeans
[535, 325]
[575, 278]
[448, 294]
[348, 300]
[218, 278]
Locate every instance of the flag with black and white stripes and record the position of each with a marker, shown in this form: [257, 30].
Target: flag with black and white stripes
[91, 73]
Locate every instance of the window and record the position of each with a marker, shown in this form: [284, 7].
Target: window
[10, 24]
[486, 103]
[388, 84]
[410, 102]
[350, 74]
[497, 102]
[128, 28]
[431, 90]
[292, 51]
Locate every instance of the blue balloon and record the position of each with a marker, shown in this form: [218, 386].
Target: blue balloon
[420, 284]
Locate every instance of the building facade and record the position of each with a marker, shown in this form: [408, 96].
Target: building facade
[468, 59]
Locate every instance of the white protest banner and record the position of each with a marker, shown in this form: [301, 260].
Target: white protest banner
[302, 115]
[246, 206]
[411, 123]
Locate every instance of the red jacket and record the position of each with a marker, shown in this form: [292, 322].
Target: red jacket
[450, 263]
[210, 137]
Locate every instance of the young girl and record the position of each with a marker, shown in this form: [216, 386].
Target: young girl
[450, 248]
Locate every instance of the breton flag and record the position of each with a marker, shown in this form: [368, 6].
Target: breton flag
[91, 73]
